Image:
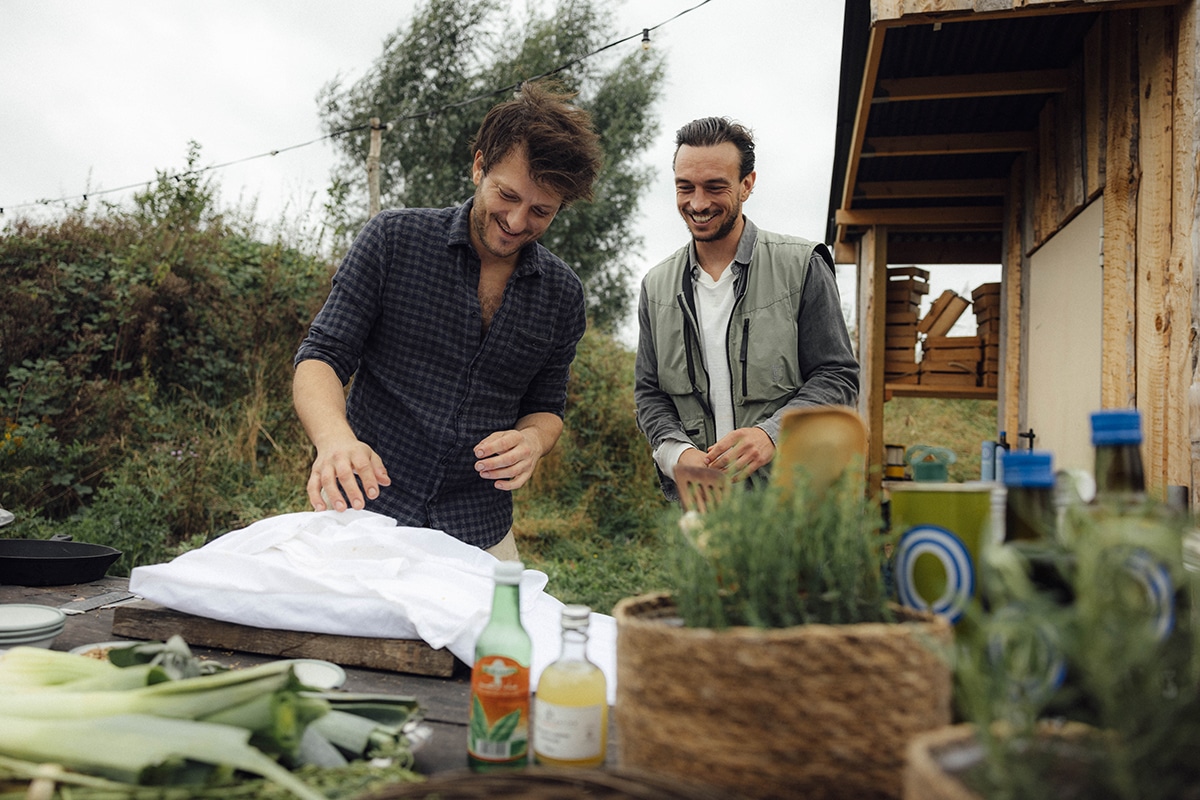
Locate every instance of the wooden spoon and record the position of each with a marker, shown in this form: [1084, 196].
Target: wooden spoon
[822, 440]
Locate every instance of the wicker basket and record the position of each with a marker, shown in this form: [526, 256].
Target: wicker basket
[537, 783]
[815, 711]
[1065, 753]
[924, 776]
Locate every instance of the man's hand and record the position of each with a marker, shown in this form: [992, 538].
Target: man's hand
[321, 406]
[334, 471]
[508, 457]
[692, 457]
[739, 453]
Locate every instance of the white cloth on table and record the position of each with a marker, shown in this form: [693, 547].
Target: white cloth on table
[357, 573]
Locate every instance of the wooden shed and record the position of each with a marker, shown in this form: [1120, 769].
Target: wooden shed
[1059, 140]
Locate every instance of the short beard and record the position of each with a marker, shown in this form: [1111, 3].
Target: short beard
[720, 233]
[479, 220]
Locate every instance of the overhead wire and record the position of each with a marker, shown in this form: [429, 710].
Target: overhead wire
[643, 34]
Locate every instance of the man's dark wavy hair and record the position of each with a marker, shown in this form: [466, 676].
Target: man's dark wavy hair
[559, 139]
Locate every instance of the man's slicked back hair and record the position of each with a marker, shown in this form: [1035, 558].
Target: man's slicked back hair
[712, 131]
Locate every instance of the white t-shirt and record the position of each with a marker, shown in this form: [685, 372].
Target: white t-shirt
[714, 304]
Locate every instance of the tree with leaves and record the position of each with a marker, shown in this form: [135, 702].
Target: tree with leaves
[435, 80]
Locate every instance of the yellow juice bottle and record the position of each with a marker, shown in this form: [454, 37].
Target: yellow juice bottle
[570, 727]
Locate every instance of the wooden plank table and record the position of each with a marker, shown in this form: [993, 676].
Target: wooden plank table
[444, 698]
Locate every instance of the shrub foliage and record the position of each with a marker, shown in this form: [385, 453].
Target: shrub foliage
[146, 353]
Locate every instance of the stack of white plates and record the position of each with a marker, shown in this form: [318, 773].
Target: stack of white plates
[29, 625]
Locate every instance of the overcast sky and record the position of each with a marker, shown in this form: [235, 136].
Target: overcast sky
[109, 91]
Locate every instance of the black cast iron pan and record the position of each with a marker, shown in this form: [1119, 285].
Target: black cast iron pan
[53, 562]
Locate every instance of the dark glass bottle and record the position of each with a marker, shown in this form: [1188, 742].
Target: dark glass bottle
[498, 730]
[1117, 438]
[1030, 520]
[1121, 500]
[1029, 506]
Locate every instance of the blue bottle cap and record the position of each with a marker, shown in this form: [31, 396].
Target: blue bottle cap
[1032, 468]
[1116, 426]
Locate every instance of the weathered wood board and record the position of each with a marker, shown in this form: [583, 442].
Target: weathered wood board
[146, 620]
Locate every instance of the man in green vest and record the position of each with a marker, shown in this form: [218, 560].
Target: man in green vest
[735, 327]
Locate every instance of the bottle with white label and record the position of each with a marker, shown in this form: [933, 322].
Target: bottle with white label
[570, 726]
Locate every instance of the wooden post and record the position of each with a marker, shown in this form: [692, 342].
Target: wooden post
[872, 317]
[373, 164]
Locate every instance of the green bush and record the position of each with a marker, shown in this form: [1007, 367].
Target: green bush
[123, 328]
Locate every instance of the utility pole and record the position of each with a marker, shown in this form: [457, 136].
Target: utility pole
[373, 164]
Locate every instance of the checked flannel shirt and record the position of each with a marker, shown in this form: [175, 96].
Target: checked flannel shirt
[403, 319]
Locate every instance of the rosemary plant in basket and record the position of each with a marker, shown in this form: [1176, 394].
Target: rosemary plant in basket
[795, 552]
[1087, 684]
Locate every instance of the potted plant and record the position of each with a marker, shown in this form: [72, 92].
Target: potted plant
[1085, 685]
[776, 666]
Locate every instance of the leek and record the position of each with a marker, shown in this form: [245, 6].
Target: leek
[24, 667]
[122, 678]
[173, 656]
[365, 725]
[136, 720]
[277, 720]
[389, 709]
[187, 698]
[139, 746]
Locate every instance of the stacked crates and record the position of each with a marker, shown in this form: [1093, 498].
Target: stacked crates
[905, 288]
[947, 360]
[986, 299]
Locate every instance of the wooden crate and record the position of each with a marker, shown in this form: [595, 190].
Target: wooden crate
[942, 342]
[911, 271]
[966, 351]
[984, 291]
[907, 291]
[944, 312]
[902, 307]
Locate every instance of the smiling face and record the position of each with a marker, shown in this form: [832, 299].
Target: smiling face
[708, 193]
[511, 210]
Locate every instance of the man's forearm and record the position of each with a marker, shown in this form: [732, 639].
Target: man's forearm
[320, 401]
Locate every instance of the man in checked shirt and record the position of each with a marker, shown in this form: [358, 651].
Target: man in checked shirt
[458, 329]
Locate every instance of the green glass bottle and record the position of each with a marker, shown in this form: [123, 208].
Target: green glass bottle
[498, 729]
